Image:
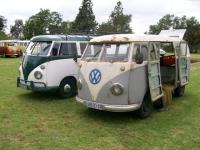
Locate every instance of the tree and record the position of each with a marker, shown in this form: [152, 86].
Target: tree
[118, 21]
[66, 27]
[192, 35]
[3, 22]
[17, 30]
[164, 23]
[44, 22]
[85, 19]
[106, 28]
[3, 36]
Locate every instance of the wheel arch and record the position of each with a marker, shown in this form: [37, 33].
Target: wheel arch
[69, 78]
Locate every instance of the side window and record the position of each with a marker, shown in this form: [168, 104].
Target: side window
[82, 47]
[55, 49]
[68, 49]
[137, 56]
[136, 51]
[152, 52]
[183, 48]
[144, 51]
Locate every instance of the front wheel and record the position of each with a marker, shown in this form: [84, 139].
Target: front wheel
[179, 91]
[67, 88]
[145, 109]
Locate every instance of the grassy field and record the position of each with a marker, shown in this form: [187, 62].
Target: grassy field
[195, 57]
[42, 121]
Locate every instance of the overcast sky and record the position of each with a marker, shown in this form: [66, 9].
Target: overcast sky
[144, 12]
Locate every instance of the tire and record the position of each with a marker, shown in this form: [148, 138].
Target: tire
[145, 109]
[179, 91]
[160, 104]
[63, 92]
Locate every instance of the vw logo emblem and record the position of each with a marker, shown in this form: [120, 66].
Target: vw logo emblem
[95, 76]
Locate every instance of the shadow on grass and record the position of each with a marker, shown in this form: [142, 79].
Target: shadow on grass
[111, 117]
[41, 96]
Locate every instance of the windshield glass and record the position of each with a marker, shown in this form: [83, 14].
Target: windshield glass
[92, 52]
[39, 48]
[115, 53]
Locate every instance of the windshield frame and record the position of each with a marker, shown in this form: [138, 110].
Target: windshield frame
[93, 59]
[103, 49]
[33, 44]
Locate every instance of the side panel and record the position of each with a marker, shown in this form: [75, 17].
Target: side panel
[138, 83]
[59, 69]
[154, 75]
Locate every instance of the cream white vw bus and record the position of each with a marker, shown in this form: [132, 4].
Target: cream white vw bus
[126, 72]
[50, 63]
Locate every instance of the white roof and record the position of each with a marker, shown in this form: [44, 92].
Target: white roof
[124, 38]
[8, 41]
[178, 33]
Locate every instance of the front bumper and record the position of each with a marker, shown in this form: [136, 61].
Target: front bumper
[108, 107]
[34, 86]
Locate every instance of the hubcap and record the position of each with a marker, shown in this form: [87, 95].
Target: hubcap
[67, 88]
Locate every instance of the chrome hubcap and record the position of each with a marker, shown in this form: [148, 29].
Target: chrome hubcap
[67, 88]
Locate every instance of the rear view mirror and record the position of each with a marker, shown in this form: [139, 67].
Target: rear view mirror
[75, 58]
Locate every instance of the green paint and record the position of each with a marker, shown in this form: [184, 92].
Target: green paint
[30, 62]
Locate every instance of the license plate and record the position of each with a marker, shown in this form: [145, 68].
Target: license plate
[94, 105]
[23, 86]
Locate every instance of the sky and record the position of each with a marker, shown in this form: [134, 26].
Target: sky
[144, 12]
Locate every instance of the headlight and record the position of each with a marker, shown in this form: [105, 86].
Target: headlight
[38, 75]
[117, 89]
[79, 84]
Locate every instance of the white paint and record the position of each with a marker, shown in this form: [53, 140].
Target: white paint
[133, 38]
[106, 75]
[56, 70]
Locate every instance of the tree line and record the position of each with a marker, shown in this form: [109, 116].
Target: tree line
[48, 22]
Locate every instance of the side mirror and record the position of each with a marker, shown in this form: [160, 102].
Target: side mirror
[54, 52]
[75, 57]
[139, 58]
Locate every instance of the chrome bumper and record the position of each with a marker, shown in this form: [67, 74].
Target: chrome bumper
[34, 86]
[108, 107]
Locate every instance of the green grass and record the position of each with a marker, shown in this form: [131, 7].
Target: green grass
[195, 57]
[42, 121]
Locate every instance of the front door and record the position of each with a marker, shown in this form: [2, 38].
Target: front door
[154, 75]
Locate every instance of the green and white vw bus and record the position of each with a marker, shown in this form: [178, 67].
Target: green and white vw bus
[123, 72]
[50, 63]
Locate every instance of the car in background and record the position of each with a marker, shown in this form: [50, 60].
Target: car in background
[23, 45]
[10, 48]
[162, 52]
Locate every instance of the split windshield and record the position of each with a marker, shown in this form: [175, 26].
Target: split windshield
[92, 52]
[39, 48]
[107, 52]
